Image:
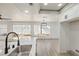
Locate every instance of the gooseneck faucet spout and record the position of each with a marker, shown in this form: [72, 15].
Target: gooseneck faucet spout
[6, 41]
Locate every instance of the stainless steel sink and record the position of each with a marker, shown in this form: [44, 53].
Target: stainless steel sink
[23, 50]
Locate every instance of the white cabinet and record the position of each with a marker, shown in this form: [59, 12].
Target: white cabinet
[69, 13]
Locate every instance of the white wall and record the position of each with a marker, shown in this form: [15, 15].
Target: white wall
[64, 37]
[74, 35]
[55, 30]
[69, 36]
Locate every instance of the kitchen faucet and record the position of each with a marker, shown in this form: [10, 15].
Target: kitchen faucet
[6, 41]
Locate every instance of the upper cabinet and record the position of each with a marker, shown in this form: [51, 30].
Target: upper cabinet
[70, 12]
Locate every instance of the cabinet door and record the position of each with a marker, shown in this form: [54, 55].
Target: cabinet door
[46, 47]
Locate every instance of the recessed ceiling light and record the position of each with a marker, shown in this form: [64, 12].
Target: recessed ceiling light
[26, 11]
[60, 4]
[45, 4]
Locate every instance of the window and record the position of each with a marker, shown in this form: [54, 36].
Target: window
[37, 29]
[3, 28]
[45, 28]
[22, 29]
[41, 29]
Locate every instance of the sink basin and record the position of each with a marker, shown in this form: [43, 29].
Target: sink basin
[23, 50]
